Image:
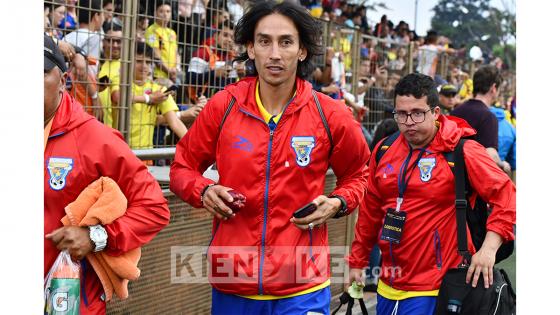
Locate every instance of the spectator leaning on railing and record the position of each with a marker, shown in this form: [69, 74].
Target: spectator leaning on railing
[149, 99]
[78, 150]
[212, 64]
[88, 38]
[428, 54]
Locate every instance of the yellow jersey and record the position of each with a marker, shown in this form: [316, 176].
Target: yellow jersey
[143, 116]
[111, 69]
[164, 39]
[466, 90]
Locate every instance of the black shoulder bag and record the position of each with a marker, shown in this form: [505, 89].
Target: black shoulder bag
[456, 296]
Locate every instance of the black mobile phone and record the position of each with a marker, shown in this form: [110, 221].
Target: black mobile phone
[305, 210]
[171, 89]
[104, 79]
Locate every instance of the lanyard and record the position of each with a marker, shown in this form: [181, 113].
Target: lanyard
[403, 180]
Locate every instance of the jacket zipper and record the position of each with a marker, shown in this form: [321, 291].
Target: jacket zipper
[267, 184]
[437, 246]
[212, 238]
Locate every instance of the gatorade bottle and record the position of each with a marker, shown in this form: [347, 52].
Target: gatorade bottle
[64, 290]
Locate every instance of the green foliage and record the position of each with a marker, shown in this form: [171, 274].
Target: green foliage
[475, 22]
[506, 53]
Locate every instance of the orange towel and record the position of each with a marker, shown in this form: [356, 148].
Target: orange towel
[102, 202]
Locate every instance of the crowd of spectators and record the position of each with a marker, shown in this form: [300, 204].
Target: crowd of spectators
[194, 57]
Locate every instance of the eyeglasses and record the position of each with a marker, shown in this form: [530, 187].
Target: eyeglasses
[417, 116]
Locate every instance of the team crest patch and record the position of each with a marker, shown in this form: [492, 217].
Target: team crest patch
[303, 147]
[58, 170]
[426, 165]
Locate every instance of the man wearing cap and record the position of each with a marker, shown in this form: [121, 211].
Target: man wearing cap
[447, 98]
[70, 167]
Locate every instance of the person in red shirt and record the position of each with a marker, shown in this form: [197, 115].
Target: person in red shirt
[211, 66]
[275, 146]
[79, 150]
[413, 183]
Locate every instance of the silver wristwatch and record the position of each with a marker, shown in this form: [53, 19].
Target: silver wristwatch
[98, 236]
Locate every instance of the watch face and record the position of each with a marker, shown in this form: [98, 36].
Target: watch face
[98, 235]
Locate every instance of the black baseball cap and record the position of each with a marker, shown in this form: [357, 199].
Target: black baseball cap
[53, 56]
[448, 90]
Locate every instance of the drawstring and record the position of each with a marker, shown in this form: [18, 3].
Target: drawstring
[395, 309]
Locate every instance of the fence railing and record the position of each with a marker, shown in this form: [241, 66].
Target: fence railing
[191, 47]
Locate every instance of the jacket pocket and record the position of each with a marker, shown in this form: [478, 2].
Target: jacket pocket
[437, 249]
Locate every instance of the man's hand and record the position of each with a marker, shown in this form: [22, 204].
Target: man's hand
[74, 239]
[188, 116]
[67, 50]
[326, 209]
[506, 168]
[157, 97]
[356, 274]
[484, 260]
[330, 89]
[202, 100]
[213, 201]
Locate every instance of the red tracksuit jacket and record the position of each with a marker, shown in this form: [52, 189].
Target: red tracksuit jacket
[80, 150]
[430, 231]
[265, 167]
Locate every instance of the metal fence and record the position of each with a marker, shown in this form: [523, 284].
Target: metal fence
[151, 94]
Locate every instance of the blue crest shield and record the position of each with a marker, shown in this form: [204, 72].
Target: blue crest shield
[58, 170]
[303, 147]
[426, 165]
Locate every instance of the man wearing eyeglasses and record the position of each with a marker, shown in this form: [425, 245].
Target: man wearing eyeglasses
[109, 74]
[411, 192]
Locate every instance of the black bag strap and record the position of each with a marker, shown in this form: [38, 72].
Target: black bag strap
[346, 298]
[461, 201]
[228, 110]
[363, 306]
[387, 142]
[324, 119]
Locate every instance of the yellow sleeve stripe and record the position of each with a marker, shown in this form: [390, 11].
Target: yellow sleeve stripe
[394, 294]
[277, 297]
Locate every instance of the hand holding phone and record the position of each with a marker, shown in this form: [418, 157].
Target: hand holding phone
[170, 89]
[104, 79]
[305, 210]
